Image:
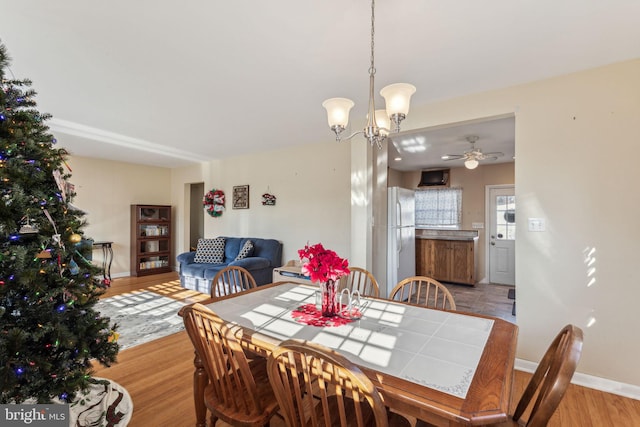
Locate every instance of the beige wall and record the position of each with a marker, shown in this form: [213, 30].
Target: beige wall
[473, 183]
[313, 196]
[576, 136]
[105, 190]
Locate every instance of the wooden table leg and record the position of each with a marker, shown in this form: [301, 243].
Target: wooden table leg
[200, 381]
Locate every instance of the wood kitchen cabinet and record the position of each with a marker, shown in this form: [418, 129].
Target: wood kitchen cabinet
[447, 260]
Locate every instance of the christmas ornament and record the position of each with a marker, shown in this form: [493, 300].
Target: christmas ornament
[28, 227]
[44, 254]
[73, 267]
[75, 238]
[56, 237]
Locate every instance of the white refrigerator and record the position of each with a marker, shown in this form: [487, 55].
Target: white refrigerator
[401, 243]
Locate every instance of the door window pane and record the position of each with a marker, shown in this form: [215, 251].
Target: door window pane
[506, 217]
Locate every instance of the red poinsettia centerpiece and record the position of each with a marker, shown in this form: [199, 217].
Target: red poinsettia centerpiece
[322, 264]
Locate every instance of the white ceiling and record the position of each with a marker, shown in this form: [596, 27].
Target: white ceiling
[423, 148]
[168, 83]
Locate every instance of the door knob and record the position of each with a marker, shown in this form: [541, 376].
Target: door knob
[493, 243]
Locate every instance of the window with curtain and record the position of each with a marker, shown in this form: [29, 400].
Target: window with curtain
[439, 208]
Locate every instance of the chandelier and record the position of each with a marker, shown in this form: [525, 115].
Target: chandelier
[397, 97]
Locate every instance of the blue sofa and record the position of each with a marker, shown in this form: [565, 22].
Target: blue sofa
[266, 255]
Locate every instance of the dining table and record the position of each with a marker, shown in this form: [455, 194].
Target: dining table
[448, 368]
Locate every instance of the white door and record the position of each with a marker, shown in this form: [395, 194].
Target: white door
[502, 235]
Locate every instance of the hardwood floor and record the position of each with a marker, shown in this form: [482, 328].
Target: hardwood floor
[158, 376]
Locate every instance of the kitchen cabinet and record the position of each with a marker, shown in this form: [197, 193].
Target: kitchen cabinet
[447, 260]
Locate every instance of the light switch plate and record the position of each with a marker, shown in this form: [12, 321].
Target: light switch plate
[536, 224]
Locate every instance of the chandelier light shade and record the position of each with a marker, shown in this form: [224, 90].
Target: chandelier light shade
[397, 98]
[471, 164]
[338, 112]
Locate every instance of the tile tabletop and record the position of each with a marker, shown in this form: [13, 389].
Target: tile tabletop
[437, 349]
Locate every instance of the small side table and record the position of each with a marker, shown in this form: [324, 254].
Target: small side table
[107, 257]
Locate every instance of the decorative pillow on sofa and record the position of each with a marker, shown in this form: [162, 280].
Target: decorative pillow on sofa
[246, 251]
[210, 251]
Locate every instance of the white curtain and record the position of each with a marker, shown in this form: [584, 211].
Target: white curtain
[439, 208]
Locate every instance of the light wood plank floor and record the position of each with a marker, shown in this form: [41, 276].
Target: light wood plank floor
[158, 376]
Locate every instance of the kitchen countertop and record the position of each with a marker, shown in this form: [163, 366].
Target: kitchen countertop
[446, 234]
[445, 237]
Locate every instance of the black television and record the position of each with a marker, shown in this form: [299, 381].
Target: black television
[430, 178]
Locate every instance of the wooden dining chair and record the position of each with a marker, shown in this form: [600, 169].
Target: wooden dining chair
[230, 280]
[238, 392]
[550, 380]
[363, 281]
[317, 386]
[424, 291]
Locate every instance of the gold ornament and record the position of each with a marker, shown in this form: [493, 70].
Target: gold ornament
[75, 238]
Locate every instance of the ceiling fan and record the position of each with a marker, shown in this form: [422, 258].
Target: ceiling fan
[474, 155]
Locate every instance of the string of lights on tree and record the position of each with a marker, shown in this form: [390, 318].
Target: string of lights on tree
[49, 331]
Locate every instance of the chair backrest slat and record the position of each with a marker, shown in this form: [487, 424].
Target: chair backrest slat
[230, 280]
[424, 291]
[230, 377]
[363, 281]
[315, 386]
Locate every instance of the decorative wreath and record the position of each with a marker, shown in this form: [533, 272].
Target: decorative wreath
[213, 202]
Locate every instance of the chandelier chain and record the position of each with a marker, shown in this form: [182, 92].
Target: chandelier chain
[372, 68]
[399, 93]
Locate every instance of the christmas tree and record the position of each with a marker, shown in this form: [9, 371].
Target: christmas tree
[49, 331]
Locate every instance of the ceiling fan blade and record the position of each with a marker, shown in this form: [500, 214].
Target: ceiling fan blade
[494, 154]
[489, 158]
[452, 157]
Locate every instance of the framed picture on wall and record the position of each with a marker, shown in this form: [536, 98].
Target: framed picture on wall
[240, 197]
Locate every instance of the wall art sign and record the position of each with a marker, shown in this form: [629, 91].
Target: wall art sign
[268, 199]
[241, 197]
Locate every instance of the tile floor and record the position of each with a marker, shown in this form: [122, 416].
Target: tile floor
[483, 298]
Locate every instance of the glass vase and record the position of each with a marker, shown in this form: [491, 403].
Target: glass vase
[329, 298]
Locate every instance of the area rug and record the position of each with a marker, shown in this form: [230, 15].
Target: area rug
[142, 316]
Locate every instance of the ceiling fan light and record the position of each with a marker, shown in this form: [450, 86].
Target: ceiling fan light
[397, 98]
[471, 164]
[338, 111]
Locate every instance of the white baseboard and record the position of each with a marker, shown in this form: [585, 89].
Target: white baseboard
[597, 383]
[123, 274]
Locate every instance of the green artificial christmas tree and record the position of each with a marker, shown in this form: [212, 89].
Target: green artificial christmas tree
[49, 330]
